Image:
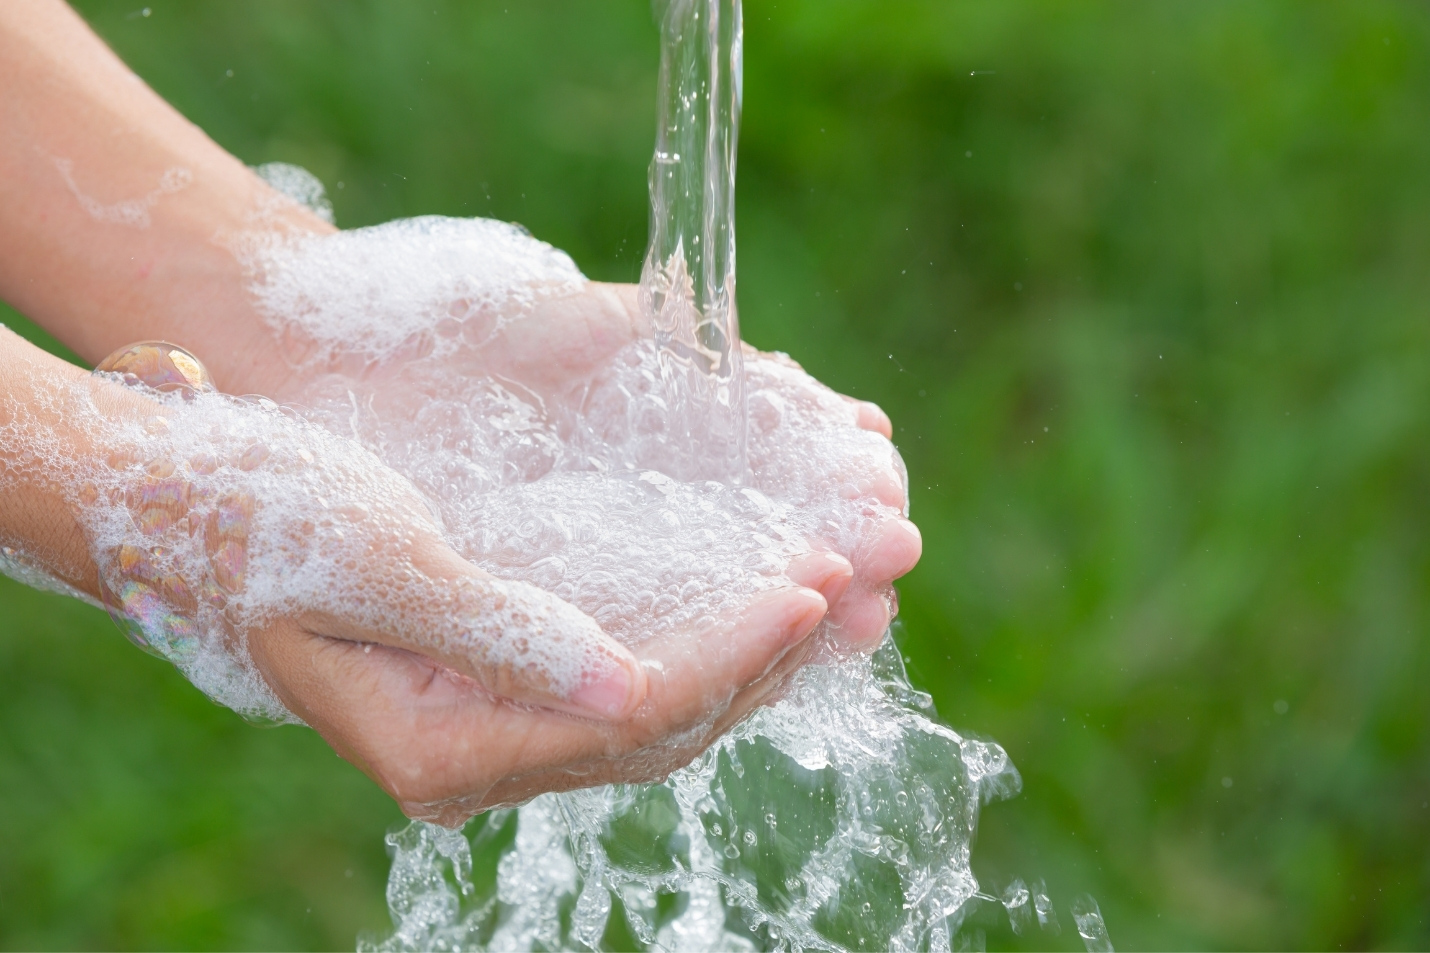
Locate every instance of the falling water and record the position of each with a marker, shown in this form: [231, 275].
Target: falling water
[688, 280]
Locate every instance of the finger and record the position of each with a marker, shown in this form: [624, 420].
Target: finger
[872, 417]
[863, 623]
[827, 573]
[512, 639]
[429, 735]
[766, 689]
[879, 480]
[423, 733]
[890, 551]
[562, 338]
[693, 678]
[648, 765]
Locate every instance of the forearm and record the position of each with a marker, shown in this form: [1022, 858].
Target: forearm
[117, 215]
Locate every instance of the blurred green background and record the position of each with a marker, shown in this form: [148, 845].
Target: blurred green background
[1145, 289]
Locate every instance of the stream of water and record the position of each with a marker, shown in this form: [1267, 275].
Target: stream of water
[688, 280]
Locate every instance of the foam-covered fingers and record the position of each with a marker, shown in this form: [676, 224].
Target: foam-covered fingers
[528, 752]
[827, 573]
[694, 680]
[862, 622]
[428, 734]
[645, 765]
[889, 486]
[566, 335]
[892, 548]
[890, 551]
[514, 640]
[535, 648]
[871, 467]
[872, 417]
[626, 296]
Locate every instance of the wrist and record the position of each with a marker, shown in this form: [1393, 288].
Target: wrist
[40, 530]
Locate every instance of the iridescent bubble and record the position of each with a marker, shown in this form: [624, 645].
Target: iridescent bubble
[203, 463]
[158, 365]
[226, 539]
[253, 457]
[148, 619]
[156, 505]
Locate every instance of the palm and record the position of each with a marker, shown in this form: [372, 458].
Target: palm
[563, 342]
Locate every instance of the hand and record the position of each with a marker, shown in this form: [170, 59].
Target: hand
[236, 538]
[446, 750]
[809, 447]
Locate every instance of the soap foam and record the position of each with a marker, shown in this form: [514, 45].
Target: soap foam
[298, 184]
[133, 213]
[420, 283]
[209, 516]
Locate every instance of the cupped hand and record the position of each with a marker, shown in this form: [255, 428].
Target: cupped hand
[233, 534]
[803, 436]
[446, 749]
[809, 446]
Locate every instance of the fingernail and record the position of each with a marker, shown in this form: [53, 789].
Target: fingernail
[879, 420]
[803, 618]
[903, 544]
[609, 697]
[828, 573]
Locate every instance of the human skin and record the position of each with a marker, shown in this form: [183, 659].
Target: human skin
[103, 243]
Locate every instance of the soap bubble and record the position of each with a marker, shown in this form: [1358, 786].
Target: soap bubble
[158, 365]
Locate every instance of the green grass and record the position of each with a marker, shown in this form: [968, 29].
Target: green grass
[1145, 289]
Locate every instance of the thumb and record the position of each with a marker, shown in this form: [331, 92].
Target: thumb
[517, 641]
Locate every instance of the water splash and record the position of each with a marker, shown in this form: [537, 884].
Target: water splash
[839, 819]
[1090, 927]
